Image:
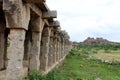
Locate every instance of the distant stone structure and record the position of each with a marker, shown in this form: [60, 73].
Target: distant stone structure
[30, 38]
[90, 41]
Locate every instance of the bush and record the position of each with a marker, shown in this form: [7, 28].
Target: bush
[35, 75]
[50, 76]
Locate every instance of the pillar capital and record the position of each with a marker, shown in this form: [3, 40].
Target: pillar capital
[17, 14]
[37, 24]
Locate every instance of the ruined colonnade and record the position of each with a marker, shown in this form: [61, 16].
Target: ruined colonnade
[30, 38]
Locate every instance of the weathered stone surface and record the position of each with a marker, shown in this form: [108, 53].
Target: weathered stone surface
[55, 50]
[34, 8]
[51, 50]
[50, 54]
[17, 14]
[92, 41]
[27, 47]
[44, 48]
[35, 51]
[34, 1]
[13, 13]
[49, 14]
[15, 53]
[2, 41]
[37, 24]
[25, 16]
[54, 24]
[2, 44]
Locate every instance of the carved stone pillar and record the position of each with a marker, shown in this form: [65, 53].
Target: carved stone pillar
[37, 27]
[2, 39]
[50, 55]
[65, 48]
[51, 50]
[2, 46]
[44, 48]
[35, 51]
[17, 17]
[15, 52]
[62, 46]
[55, 49]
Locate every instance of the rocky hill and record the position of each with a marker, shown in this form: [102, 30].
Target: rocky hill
[92, 41]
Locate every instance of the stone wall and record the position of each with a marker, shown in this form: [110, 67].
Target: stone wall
[30, 38]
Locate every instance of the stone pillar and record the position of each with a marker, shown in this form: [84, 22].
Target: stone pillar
[51, 50]
[15, 52]
[37, 27]
[62, 46]
[2, 46]
[2, 40]
[17, 17]
[65, 48]
[44, 48]
[35, 51]
[27, 48]
[50, 54]
[55, 49]
[60, 49]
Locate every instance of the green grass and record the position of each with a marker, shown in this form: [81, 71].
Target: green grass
[78, 68]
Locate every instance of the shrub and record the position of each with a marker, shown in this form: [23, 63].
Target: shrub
[35, 75]
[50, 76]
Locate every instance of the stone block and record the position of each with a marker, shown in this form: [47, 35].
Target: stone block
[37, 24]
[17, 14]
[34, 1]
[54, 24]
[25, 16]
[49, 14]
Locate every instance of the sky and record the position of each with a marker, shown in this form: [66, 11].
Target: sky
[88, 18]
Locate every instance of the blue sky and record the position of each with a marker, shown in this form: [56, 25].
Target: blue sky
[88, 18]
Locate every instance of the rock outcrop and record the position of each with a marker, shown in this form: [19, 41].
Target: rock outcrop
[92, 41]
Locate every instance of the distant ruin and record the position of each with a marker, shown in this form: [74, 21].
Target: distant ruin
[30, 38]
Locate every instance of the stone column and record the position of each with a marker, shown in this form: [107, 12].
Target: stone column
[17, 17]
[2, 46]
[2, 40]
[50, 54]
[55, 49]
[27, 48]
[65, 48]
[35, 51]
[37, 27]
[44, 48]
[15, 52]
[51, 50]
[62, 46]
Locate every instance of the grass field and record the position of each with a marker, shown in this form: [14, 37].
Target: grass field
[79, 67]
[108, 56]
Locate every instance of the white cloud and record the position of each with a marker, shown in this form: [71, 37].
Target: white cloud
[84, 18]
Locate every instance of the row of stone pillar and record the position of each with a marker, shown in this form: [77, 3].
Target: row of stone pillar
[42, 52]
[28, 42]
